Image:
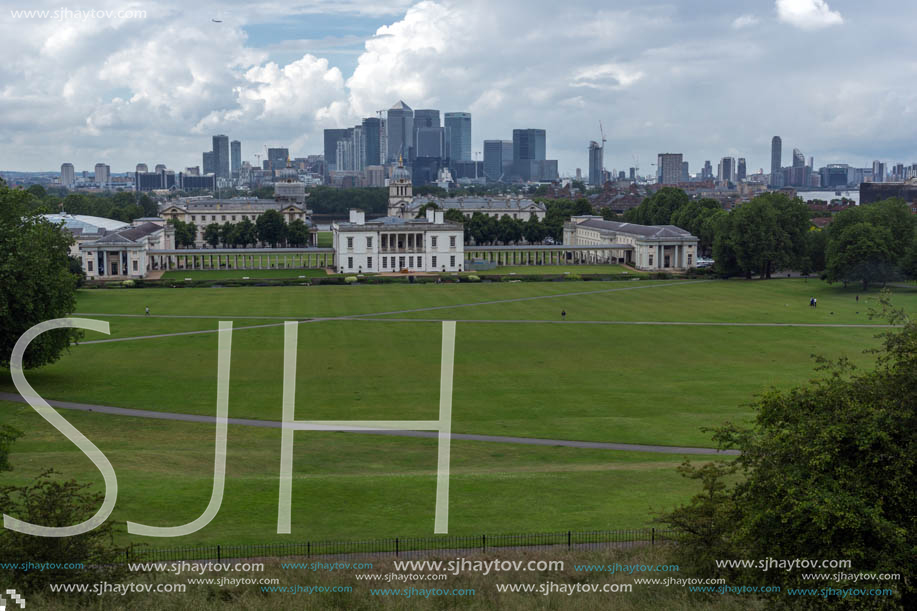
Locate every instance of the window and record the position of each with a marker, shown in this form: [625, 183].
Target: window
[192, 218]
[651, 259]
[400, 262]
[135, 266]
[433, 242]
[233, 217]
[689, 258]
[89, 264]
[452, 261]
[349, 242]
[213, 217]
[434, 258]
[349, 262]
[410, 261]
[452, 241]
[223, 218]
[369, 242]
[384, 262]
[369, 262]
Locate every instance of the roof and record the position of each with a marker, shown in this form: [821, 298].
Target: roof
[400, 105]
[646, 231]
[84, 224]
[131, 235]
[394, 221]
[229, 205]
[479, 203]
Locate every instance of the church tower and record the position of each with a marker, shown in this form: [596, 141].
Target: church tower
[400, 191]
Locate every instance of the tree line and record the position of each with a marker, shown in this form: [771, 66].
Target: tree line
[270, 228]
[121, 206]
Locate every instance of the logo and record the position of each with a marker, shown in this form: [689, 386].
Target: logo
[14, 597]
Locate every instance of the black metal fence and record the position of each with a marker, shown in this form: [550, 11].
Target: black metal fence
[405, 546]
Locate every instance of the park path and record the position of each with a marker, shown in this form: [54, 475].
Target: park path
[275, 424]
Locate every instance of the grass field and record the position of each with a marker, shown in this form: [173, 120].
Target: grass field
[235, 274]
[559, 269]
[519, 371]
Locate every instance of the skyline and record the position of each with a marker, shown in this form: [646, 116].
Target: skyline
[662, 78]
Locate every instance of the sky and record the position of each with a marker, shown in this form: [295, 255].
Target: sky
[152, 82]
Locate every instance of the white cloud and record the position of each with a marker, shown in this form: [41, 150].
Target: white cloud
[807, 14]
[745, 21]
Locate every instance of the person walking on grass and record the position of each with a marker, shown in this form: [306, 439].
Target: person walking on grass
[147, 311]
[563, 315]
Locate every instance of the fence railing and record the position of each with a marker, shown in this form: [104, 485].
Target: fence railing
[405, 546]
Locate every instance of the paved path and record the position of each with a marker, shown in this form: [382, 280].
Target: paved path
[274, 424]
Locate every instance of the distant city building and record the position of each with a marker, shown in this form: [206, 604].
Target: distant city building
[529, 152]
[878, 171]
[195, 182]
[776, 161]
[160, 167]
[741, 172]
[496, 162]
[142, 167]
[277, 158]
[707, 172]
[102, 175]
[194, 170]
[632, 173]
[429, 141]
[668, 168]
[835, 175]
[458, 135]
[400, 126]
[235, 157]
[876, 191]
[331, 139]
[726, 172]
[221, 156]
[67, 175]
[373, 142]
[685, 172]
[208, 163]
[596, 164]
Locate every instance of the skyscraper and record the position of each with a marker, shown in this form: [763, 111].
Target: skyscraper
[429, 141]
[776, 161]
[596, 163]
[529, 150]
[102, 175]
[207, 163]
[685, 172]
[878, 171]
[425, 118]
[669, 168]
[707, 172]
[496, 155]
[277, 158]
[221, 156]
[235, 157]
[727, 170]
[67, 175]
[741, 173]
[400, 127]
[331, 137]
[373, 153]
[141, 167]
[458, 135]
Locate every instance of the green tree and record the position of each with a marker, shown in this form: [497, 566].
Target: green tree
[861, 252]
[658, 208]
[455, 215]
[212, 234]
[228, 234]
[35, 280]
[298, 233]
[185, 233]
[51, 502]
[509, 230]
[7, 436]
[422, 211]
[827, 470]
[271, 228]
[533, 230]
[246, 234]
[37, 191]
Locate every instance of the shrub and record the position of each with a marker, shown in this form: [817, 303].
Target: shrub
[350, 279]
[473, 278]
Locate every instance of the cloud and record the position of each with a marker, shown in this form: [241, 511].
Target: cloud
[807, 14]
[745, 21]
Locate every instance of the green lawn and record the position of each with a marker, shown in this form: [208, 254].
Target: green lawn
[347, 485]
[632, 383]
[325, 239]
[559, 269]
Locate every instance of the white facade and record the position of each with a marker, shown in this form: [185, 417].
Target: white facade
[392, 244]
[645, 247]
[515, 207]
[124, 254]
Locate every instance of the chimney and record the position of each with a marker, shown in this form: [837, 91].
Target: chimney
[357, 217]
[430, 215]
[439, 216]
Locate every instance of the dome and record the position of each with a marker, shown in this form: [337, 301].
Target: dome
[400, 173]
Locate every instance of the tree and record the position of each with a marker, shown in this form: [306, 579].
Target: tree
[212, 234]
[861, 252]
[533, 230]
[228, 234]
[50, 502]
[658, 208]
[509, 230]
[455, 215]
[422, 211]
[271, 228]
[185, 233]
[35, 280]
[245, 234]
[297, 233]
[827, 471]
[7, 436]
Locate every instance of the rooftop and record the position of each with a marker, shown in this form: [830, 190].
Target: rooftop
[646, 231]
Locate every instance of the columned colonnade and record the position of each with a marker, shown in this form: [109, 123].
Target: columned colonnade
[545, 255]
[278, 258]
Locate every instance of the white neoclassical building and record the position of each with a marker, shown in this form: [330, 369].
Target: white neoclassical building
[393, 244]
[520, 208]
[125, 253]
[645, 247]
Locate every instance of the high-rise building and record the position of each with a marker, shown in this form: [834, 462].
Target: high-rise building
[373, 137]
[235, 157]
[493, 159]
[741, 172]
[277, 158]
[878, 171]
[799, 160]
[67, 175]
[707, 172]
[776, 161]
[332, 136]
[429, 141]
[102, 175]
[668, 168]
[596, 163]
[208, 164]
[141, 167]
[632, 174]
[160, 167]
[685, 172]
[528, 145]
[400, 127]
[425, 118]
[221, 156]
[458, 135]
[727, 170]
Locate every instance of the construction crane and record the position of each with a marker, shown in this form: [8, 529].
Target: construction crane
[602, 131]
